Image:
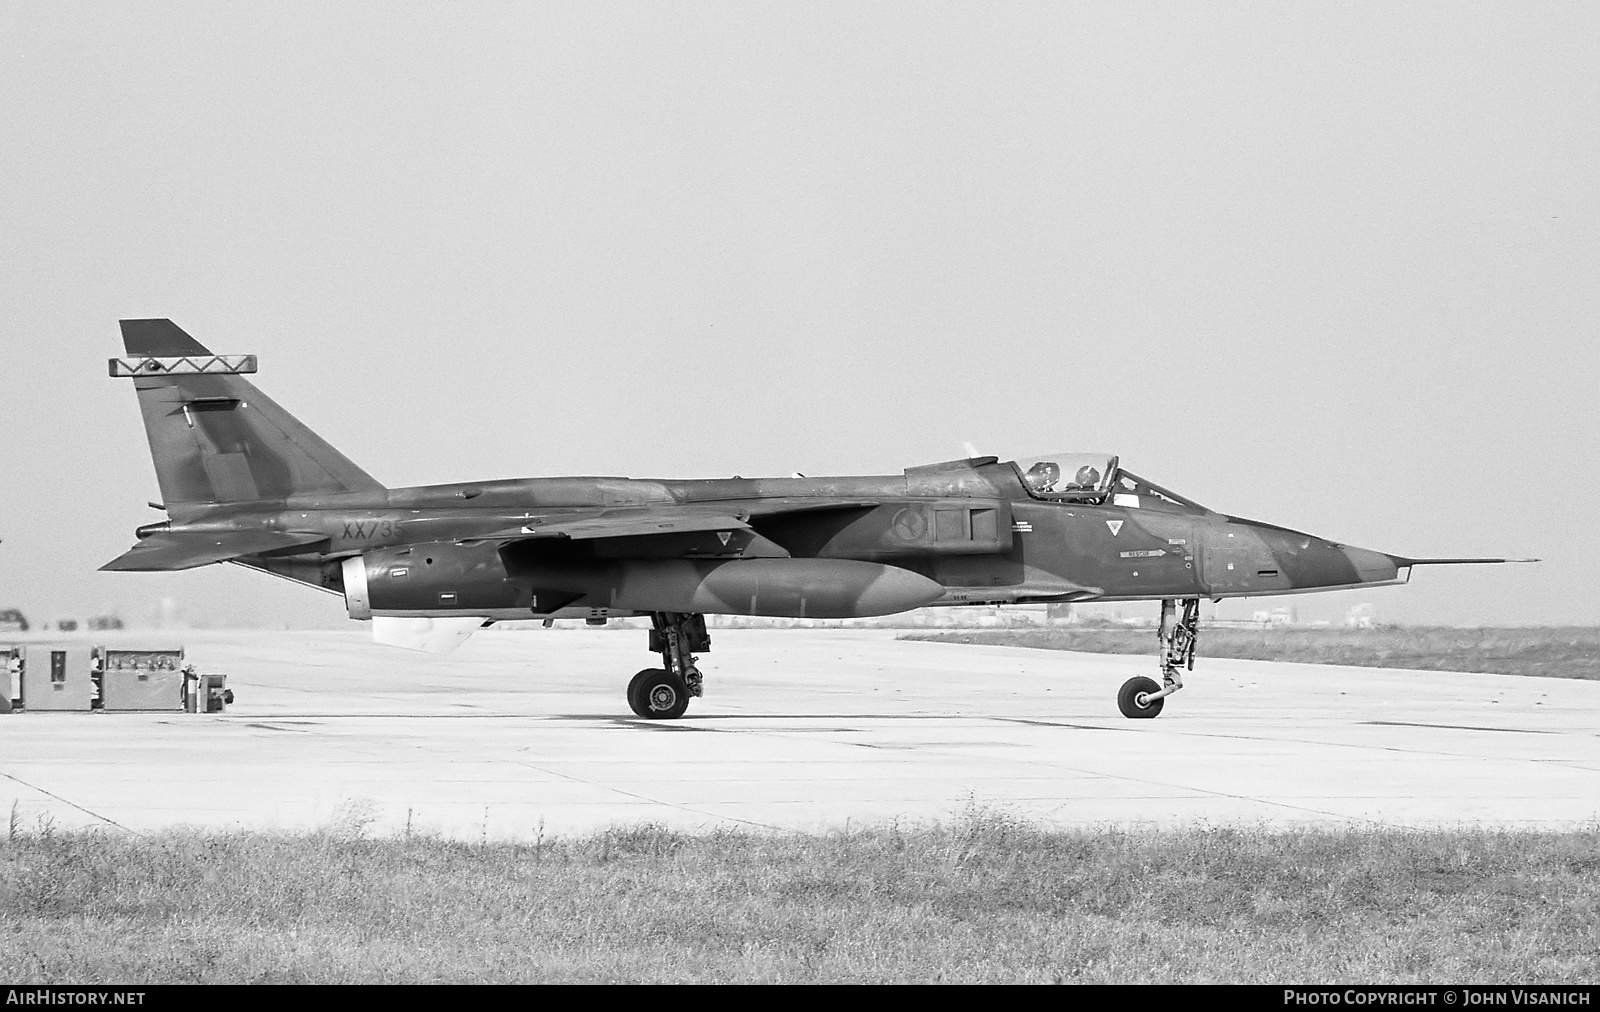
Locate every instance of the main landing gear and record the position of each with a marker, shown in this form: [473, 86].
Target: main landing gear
[663, 693]
[1141, 697]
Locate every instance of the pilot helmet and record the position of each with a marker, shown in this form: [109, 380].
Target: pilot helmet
[1043, 476]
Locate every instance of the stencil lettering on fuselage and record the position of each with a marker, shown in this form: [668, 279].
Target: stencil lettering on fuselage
[366, 530]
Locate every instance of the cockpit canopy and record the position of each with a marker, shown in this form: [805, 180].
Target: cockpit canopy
[1073, 476]
[1096, 478]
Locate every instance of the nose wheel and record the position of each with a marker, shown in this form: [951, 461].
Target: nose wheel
[1141, 698]
[1137, 698]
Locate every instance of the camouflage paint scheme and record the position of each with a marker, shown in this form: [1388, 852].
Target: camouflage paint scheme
[243, 481]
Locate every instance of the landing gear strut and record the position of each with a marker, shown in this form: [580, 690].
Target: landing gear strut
[663, 693]
[1141, 697]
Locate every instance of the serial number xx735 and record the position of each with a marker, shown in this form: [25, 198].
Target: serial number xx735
[366, 530]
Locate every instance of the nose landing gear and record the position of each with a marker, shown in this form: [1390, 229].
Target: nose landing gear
[1141, 698]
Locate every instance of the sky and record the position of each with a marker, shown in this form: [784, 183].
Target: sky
[1330, 266]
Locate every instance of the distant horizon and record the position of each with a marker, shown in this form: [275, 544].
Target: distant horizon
[760, 622]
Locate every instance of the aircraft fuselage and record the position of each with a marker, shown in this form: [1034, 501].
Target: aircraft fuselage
[244, 481]
[968, 529]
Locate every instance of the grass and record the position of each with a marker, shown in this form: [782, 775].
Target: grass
[985, 897]
[1572, 652]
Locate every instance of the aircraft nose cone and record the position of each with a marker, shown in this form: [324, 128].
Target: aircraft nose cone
[1370, 566]
[1245, 556]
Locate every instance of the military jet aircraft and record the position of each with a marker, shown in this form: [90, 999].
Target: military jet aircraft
[243, 481]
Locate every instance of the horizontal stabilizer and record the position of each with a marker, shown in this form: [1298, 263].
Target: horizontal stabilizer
[431, 635]
[164, 552]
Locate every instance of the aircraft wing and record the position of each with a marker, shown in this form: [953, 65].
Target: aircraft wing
[776, 506]
[163, 552]
[731, 522]
[632, 523]
[620, 525]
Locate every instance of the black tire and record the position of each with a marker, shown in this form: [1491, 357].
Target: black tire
[655, 694]
[1128, 698]
[635, 702]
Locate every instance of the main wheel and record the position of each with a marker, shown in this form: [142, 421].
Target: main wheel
[636, 701]
[1131, 705]
[657, 694]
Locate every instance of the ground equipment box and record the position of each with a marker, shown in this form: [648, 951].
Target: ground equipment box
[57, 677]
[206, 693]
[141, 679]
[11, 680]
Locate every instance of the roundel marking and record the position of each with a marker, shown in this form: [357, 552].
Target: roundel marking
[909, 524]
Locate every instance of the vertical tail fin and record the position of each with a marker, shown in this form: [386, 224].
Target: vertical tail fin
[214, 437]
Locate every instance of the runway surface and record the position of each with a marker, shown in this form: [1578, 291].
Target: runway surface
[522, 732]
